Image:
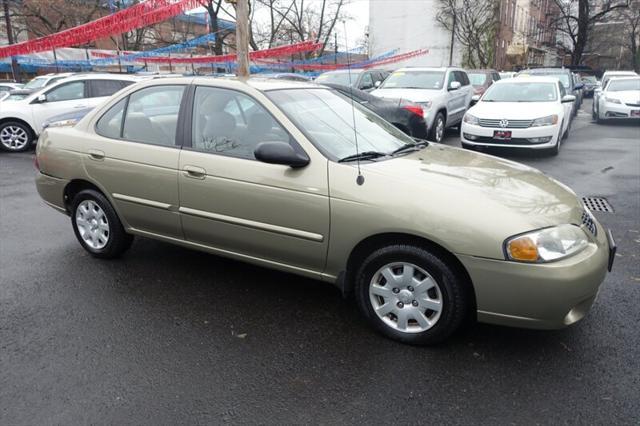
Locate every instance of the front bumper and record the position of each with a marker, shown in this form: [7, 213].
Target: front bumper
[619, 111]
[483, 136]
[541, 296]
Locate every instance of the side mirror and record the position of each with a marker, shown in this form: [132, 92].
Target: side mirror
[280, 153]
[42, 98]
[455, 85]
[474, 100]
[568, 98]
[578, 86]
[377, 83]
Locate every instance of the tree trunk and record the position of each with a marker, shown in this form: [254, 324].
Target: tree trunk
[583, 32]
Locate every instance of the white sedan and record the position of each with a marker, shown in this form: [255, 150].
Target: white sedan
[620, 99]
[528, 113]
[21, 118]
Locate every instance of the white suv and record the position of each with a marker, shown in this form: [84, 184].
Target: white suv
[443, 93]
[21, 119]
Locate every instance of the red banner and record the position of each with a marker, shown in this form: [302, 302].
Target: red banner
[290, 49]
[142, 14]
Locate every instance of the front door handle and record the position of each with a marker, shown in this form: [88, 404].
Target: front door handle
[96, 154]
[194, 172]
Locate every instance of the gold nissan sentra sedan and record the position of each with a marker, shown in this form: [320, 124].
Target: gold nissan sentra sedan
[273, 173]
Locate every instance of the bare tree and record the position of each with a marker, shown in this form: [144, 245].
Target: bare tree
[44, 17]
[474, 24]
[575, 22]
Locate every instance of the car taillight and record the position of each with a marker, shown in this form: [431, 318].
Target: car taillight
[414, 109]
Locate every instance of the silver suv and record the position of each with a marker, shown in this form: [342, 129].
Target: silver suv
[444, 93]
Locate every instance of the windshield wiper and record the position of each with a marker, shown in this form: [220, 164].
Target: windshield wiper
[411, 147]
[366, 155]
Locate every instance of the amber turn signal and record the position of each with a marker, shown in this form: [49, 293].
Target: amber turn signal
[523, 249]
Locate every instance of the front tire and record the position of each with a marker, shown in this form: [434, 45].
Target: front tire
[15, 136]
[436, 134]
[411, 295]
[97, 227]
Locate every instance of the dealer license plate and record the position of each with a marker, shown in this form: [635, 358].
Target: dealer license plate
[502, 135]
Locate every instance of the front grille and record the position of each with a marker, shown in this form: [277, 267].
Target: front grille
[588, 222]
[500, 123]
[512, 141]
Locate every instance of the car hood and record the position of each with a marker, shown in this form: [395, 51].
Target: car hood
[626, 96]
[414, 95]
[513, 110]
[485, 187]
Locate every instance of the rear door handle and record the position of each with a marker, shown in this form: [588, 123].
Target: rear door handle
[194, 172]
[96, 154]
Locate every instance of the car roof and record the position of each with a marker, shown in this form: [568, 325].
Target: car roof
[546, 71]
[620, 73]
[429, 69]
[528, 79]
[353, 70]
[625, 78]
[259, 83]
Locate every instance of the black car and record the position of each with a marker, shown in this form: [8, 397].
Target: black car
[405, 115]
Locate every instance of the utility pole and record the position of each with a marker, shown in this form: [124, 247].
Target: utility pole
[453, 35]
[7, 19]
[335, 47]
[242, 37]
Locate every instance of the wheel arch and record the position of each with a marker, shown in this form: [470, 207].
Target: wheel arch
[74, 187]
[374, 242]
[21, 121]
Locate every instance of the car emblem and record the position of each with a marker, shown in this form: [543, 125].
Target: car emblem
[504, 123]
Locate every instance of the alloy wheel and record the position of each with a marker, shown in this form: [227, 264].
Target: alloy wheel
[14, 138]
[406, 297]
[92, 224]
[439, 130]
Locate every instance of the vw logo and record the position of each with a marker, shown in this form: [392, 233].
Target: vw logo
[504, 123]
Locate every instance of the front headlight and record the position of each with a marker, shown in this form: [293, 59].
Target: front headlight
[546, 245]
[425, 104]
[61, 123]
[545, 121]
[471, 119]
[612, 100]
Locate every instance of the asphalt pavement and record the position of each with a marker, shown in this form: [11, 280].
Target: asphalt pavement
[166, 335]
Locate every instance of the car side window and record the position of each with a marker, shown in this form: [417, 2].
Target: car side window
[562, 91]
[110, 124]
[367, 81]
[461, 76]
[66, 92]
[451, 78]
[100, 88]
[227, 122]
[152, 115]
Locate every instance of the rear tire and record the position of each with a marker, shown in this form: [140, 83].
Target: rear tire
[15, 136]
[97, 227]
[411, 295]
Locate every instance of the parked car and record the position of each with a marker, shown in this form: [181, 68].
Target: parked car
[620, 99]
[363, 79]
[21, 118]
[532, 113]
[7, 87]
[405, 115]
[285, 76]
[566, 77]
[605, 80]
[590, 84]
[443, 93]
[481, 80]
[425, 236]
[46, 80]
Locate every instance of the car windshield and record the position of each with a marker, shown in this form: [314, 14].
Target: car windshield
[623, 85]
[338, 78]
[521, 92]
[477, 79]
[15, 97]
[326, 118]
[36, 83]
[414, 80]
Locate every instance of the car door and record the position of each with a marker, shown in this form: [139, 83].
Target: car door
[134, 157]
[455, 99]
[236, 204]
[60, 99]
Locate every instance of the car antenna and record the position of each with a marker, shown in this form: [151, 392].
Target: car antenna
[360, 178]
